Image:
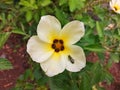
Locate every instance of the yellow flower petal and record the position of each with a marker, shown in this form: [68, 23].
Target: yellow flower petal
[48, 28]
[79, 60]
[54, 65]
[72, 32]
[38, 50]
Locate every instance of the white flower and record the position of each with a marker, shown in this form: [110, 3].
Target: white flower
[115, 5]
[54, 47]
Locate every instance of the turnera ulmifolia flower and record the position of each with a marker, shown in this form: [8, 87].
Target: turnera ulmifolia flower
[54, 47]
[115, 5]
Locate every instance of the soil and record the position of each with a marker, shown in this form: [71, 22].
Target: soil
[15, 51]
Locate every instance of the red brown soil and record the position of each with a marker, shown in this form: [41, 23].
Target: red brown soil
[15, 51]
[115, 71]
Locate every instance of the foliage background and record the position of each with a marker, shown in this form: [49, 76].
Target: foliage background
[22, 16]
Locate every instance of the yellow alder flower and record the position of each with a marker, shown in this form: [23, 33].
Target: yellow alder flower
[115, 5]
[54, 47]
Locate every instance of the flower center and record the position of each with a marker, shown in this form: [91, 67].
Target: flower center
[116, 7]
[58, 45]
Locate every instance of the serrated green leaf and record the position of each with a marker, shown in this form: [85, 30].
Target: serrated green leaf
[99, 29]
[36, 17]
[3, 18]
[32, 2]
[29, 4]
[41, 88]
[75, 4]
[57, 83]
[85, 83]
[118, 31]
[72, 5]
[18, 31]
[3, 38]
[61, 2]
[97, 71]
[9, 17]
[28, 74]
[107, 76]
[53, 86]
[61, 16]
[5, 64]
[45, 2]
[94, 48]
[37, 74]
[28, 16]
[115, 57]
[116, 37]
[24, 3]
[29, 86]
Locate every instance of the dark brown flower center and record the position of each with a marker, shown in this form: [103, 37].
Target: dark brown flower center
[58, 45]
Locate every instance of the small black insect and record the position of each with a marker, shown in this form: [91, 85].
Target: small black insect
[71, 59]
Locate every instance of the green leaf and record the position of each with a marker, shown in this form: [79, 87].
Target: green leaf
[36, 17]
[115, 57]
[72, 5]
[30, 4]
[107, 76]
[94, 48]
[118, 31]
[61, 2]
[3, 18]
[85, 84]
[9, 17]
[116, 36]
[3, 38]
[28, 74]
[99, 29]
[29, 86]
[28, 16]
[97, 72]
[45, 2]
[37, 74]
[75, 4]
[19, 31]
[24, 3]
[43, 80]
[5, 64]
[53, 86]
[61, 16]
[59, 81]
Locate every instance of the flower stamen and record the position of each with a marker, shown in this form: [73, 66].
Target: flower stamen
[53, 46]
[61, 41]
[58, 45]
[57, 50]
[116, 7]
[55, 41]
[62, 48]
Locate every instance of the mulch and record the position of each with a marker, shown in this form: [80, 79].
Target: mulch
[15, 51]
